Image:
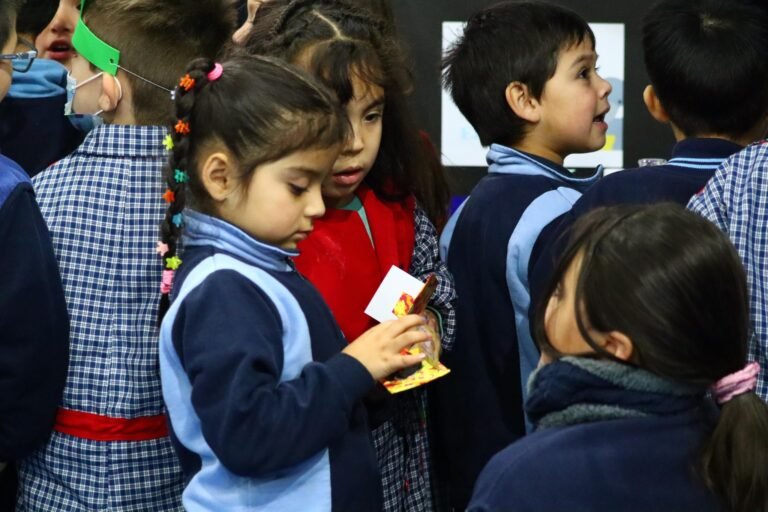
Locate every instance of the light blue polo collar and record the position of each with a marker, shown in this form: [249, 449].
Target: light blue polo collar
[201, 229]
[505, 160]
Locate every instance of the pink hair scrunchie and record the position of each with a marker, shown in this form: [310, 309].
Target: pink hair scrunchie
[216, 72]
[737, 383]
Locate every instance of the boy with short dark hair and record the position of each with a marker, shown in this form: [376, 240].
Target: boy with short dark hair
[34, 326]
[110, 448]
[736, 198]
[709, 82]
[524, 75]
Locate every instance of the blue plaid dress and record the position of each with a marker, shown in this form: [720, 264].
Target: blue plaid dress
[103, 206]
[736, 200]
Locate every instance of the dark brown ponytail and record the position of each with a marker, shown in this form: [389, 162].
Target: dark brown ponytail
[734, 460]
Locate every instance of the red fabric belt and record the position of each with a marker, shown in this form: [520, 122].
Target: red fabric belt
[105, 428]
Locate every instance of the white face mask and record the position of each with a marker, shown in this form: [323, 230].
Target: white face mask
[84, 122]
[72, 86]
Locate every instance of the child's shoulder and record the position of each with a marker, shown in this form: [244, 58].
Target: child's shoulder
[514, 473]
[752, 157]
[11, 176]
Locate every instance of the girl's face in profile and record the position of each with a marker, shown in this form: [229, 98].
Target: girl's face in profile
[560, 317]
[283, 198]
[562, 328]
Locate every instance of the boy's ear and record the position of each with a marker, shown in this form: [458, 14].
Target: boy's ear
[654, 106]
[111, 93]
[522, 103]
[618, 344]
[218, 176]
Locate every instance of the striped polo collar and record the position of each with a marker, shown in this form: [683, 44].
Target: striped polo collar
[702, 154]
[505, 160]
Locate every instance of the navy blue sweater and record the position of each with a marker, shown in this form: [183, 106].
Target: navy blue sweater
[266, 412]
[638, 454]
[33, 129]
[34, 325]
[478, 409]
[693, 163]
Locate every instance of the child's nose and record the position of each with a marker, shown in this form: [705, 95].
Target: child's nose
[607, 87]
[316, 206]
[355, 143]
[60, 24]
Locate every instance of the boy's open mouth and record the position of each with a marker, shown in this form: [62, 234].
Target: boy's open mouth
[60, 50]
[600, 118]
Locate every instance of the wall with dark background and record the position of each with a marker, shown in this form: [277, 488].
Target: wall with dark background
[420, 25]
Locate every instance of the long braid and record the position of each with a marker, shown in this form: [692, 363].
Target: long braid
[177, 172]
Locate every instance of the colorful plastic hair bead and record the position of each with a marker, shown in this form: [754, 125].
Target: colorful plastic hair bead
[182, 128]
[172, 263]
[187, 82]
[161, 249]
[180, 176]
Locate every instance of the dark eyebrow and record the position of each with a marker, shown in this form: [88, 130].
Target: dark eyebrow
[586, 58]
[376, 102]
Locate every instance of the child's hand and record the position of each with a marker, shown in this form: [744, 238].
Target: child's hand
[379, 348]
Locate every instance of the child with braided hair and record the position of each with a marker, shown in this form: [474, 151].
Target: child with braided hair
[263, 393]
[380, 207]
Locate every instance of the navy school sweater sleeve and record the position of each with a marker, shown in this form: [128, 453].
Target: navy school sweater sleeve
[34, 324]
[228, 336]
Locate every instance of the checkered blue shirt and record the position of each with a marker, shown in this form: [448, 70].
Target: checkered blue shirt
[103, 206]
[736, 200]
[426, 260]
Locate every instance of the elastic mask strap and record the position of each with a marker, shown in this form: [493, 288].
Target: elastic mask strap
[150, 82]
[94, 77]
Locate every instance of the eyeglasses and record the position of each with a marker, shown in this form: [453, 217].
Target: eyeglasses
[22, 61]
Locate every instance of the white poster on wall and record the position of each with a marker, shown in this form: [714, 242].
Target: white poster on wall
[461, 146]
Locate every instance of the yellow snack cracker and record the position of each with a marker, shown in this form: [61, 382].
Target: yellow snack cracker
[431, 368]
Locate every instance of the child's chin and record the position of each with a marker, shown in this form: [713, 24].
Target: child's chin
[596, 146]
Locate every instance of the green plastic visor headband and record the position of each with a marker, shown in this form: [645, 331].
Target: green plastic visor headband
[93, 49]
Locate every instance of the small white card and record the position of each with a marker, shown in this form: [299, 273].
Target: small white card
[391, 290]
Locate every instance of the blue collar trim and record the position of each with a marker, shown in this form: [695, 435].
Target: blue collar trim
[702, 154]
[201, 229]
[505, 160]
